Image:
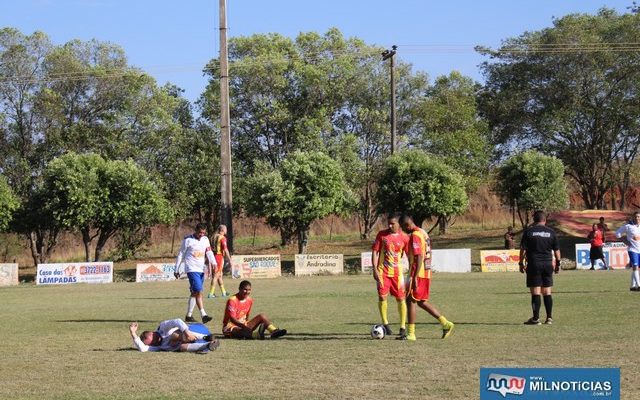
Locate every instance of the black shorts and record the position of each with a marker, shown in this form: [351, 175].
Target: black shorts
[595, 253]
[539, 275]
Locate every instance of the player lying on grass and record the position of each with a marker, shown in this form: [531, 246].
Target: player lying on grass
[236, 323]
[172, 335]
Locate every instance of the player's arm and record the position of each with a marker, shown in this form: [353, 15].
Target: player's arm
[523, 255]
[137, 342]
[212, 260]
[180, 258]
[556, 254]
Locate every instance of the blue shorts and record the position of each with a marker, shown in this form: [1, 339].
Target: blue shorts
[634, 259]
[195, 281]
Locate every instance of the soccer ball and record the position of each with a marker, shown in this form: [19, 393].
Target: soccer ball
[377, 332]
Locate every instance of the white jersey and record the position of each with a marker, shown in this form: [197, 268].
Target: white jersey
[632, 232]
[192, 253]
[165, 329]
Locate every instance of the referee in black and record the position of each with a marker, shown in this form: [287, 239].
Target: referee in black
[539, 243]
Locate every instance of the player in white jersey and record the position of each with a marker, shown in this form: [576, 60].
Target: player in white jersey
[172, 335]
[631, 231]
[192, 252]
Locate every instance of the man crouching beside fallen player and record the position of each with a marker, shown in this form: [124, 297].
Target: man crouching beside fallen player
[172, 335]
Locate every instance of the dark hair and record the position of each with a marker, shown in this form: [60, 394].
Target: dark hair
[538, 216]
[244, 284]
[394, 215]
[405, 218]
[201, 227]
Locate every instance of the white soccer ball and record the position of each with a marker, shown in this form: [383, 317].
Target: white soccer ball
[377, 332]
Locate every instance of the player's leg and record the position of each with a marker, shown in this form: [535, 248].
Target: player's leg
[198, 347]
[547, 283]
[634, 260]
[384, 285]
[221, 282]
[261, 322]
[534, 283]
[411, 316]
[421, 294]
[196, 282]
[397, 291]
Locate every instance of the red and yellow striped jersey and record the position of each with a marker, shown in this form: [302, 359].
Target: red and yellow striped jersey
[219, 243]
[238, 309]
[419, 244]
[391, 247]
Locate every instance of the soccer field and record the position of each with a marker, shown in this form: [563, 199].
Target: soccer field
[72, 342]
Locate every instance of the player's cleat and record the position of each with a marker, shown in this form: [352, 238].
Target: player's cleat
[261, 330]
[225, 294]
[278, 333]
[211, 296]
[447, 329]
[635, 289]
[532, 321]
[411, 338]
[591, 269]
[214, 344]
[208, 338]
[206, 318]
[548, 321]
[387, 330]
[189, 318]
[402, 335]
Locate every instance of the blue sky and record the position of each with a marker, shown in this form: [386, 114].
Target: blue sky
[173, 40]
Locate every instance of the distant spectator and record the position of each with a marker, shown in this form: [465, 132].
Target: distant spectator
[510, 239]
[597, 242]
[604, 228]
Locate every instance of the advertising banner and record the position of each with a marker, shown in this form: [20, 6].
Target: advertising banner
[615, 253]
[313, 264]
[499, 260]
[64, 274]
[365, 263]
[451, 260]
[249, 267]
[549, 383]
[8, 274]
[154, 272]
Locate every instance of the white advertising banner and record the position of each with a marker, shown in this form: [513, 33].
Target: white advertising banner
[64, 274]
[8, 274]
[615, 253]
[262, 266]
[451, 260]
[365, 263]
[313, 264]
[154, 272]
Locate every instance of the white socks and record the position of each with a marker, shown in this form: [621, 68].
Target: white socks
[635, 278]
[191, 306]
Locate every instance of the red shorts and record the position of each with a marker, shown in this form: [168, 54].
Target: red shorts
[421, 291]
[393, 284]
[219, 262]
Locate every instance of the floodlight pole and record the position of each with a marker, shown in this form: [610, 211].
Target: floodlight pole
[389, 54]
[226, 212]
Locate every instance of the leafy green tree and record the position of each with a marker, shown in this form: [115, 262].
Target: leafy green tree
[531, 181]
[421, 185]
[8, 204]
[307, 186]
[570, 90]
[449, 127]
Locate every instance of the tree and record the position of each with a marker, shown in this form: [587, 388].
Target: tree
[308, 186]
[531, 181]
[8, 204]
[420, 185]
[570, 90]
[449, 127]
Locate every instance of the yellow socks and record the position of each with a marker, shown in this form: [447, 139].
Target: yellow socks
[443, 321]
[402, 310]
[382, 306]
[271, 328]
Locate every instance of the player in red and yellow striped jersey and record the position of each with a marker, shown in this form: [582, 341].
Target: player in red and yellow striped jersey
[419, 252]
[236, 323]
[220, 252]
[389, 247]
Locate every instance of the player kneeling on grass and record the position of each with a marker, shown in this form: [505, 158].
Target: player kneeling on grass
[236, 323]
[172, 335]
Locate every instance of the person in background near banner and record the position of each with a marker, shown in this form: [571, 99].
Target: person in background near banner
[631, 233]
[221, 252]
[509, 239]
[419, 252]
[236, 323]
[597, 242]
[172, 335]
[386, 252]
[538, 242]
[192, 252]
[604, 228]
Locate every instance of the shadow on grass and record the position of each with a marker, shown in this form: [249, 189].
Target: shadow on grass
[567, 292]
[156, 298]
[438, 324]
[105, 320]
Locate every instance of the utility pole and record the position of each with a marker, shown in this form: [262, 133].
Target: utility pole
[226, 212]
[388, 54]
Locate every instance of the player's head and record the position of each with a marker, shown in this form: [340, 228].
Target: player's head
[594, 227]
[510, 229]
[636, 218]
[539, 217]
[200, 230]
[244, 289]
[602, 220]
[151, 338]
[222, 229]
[407, 222]
[393, 221]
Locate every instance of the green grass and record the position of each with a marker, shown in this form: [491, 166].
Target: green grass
[72, 342]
